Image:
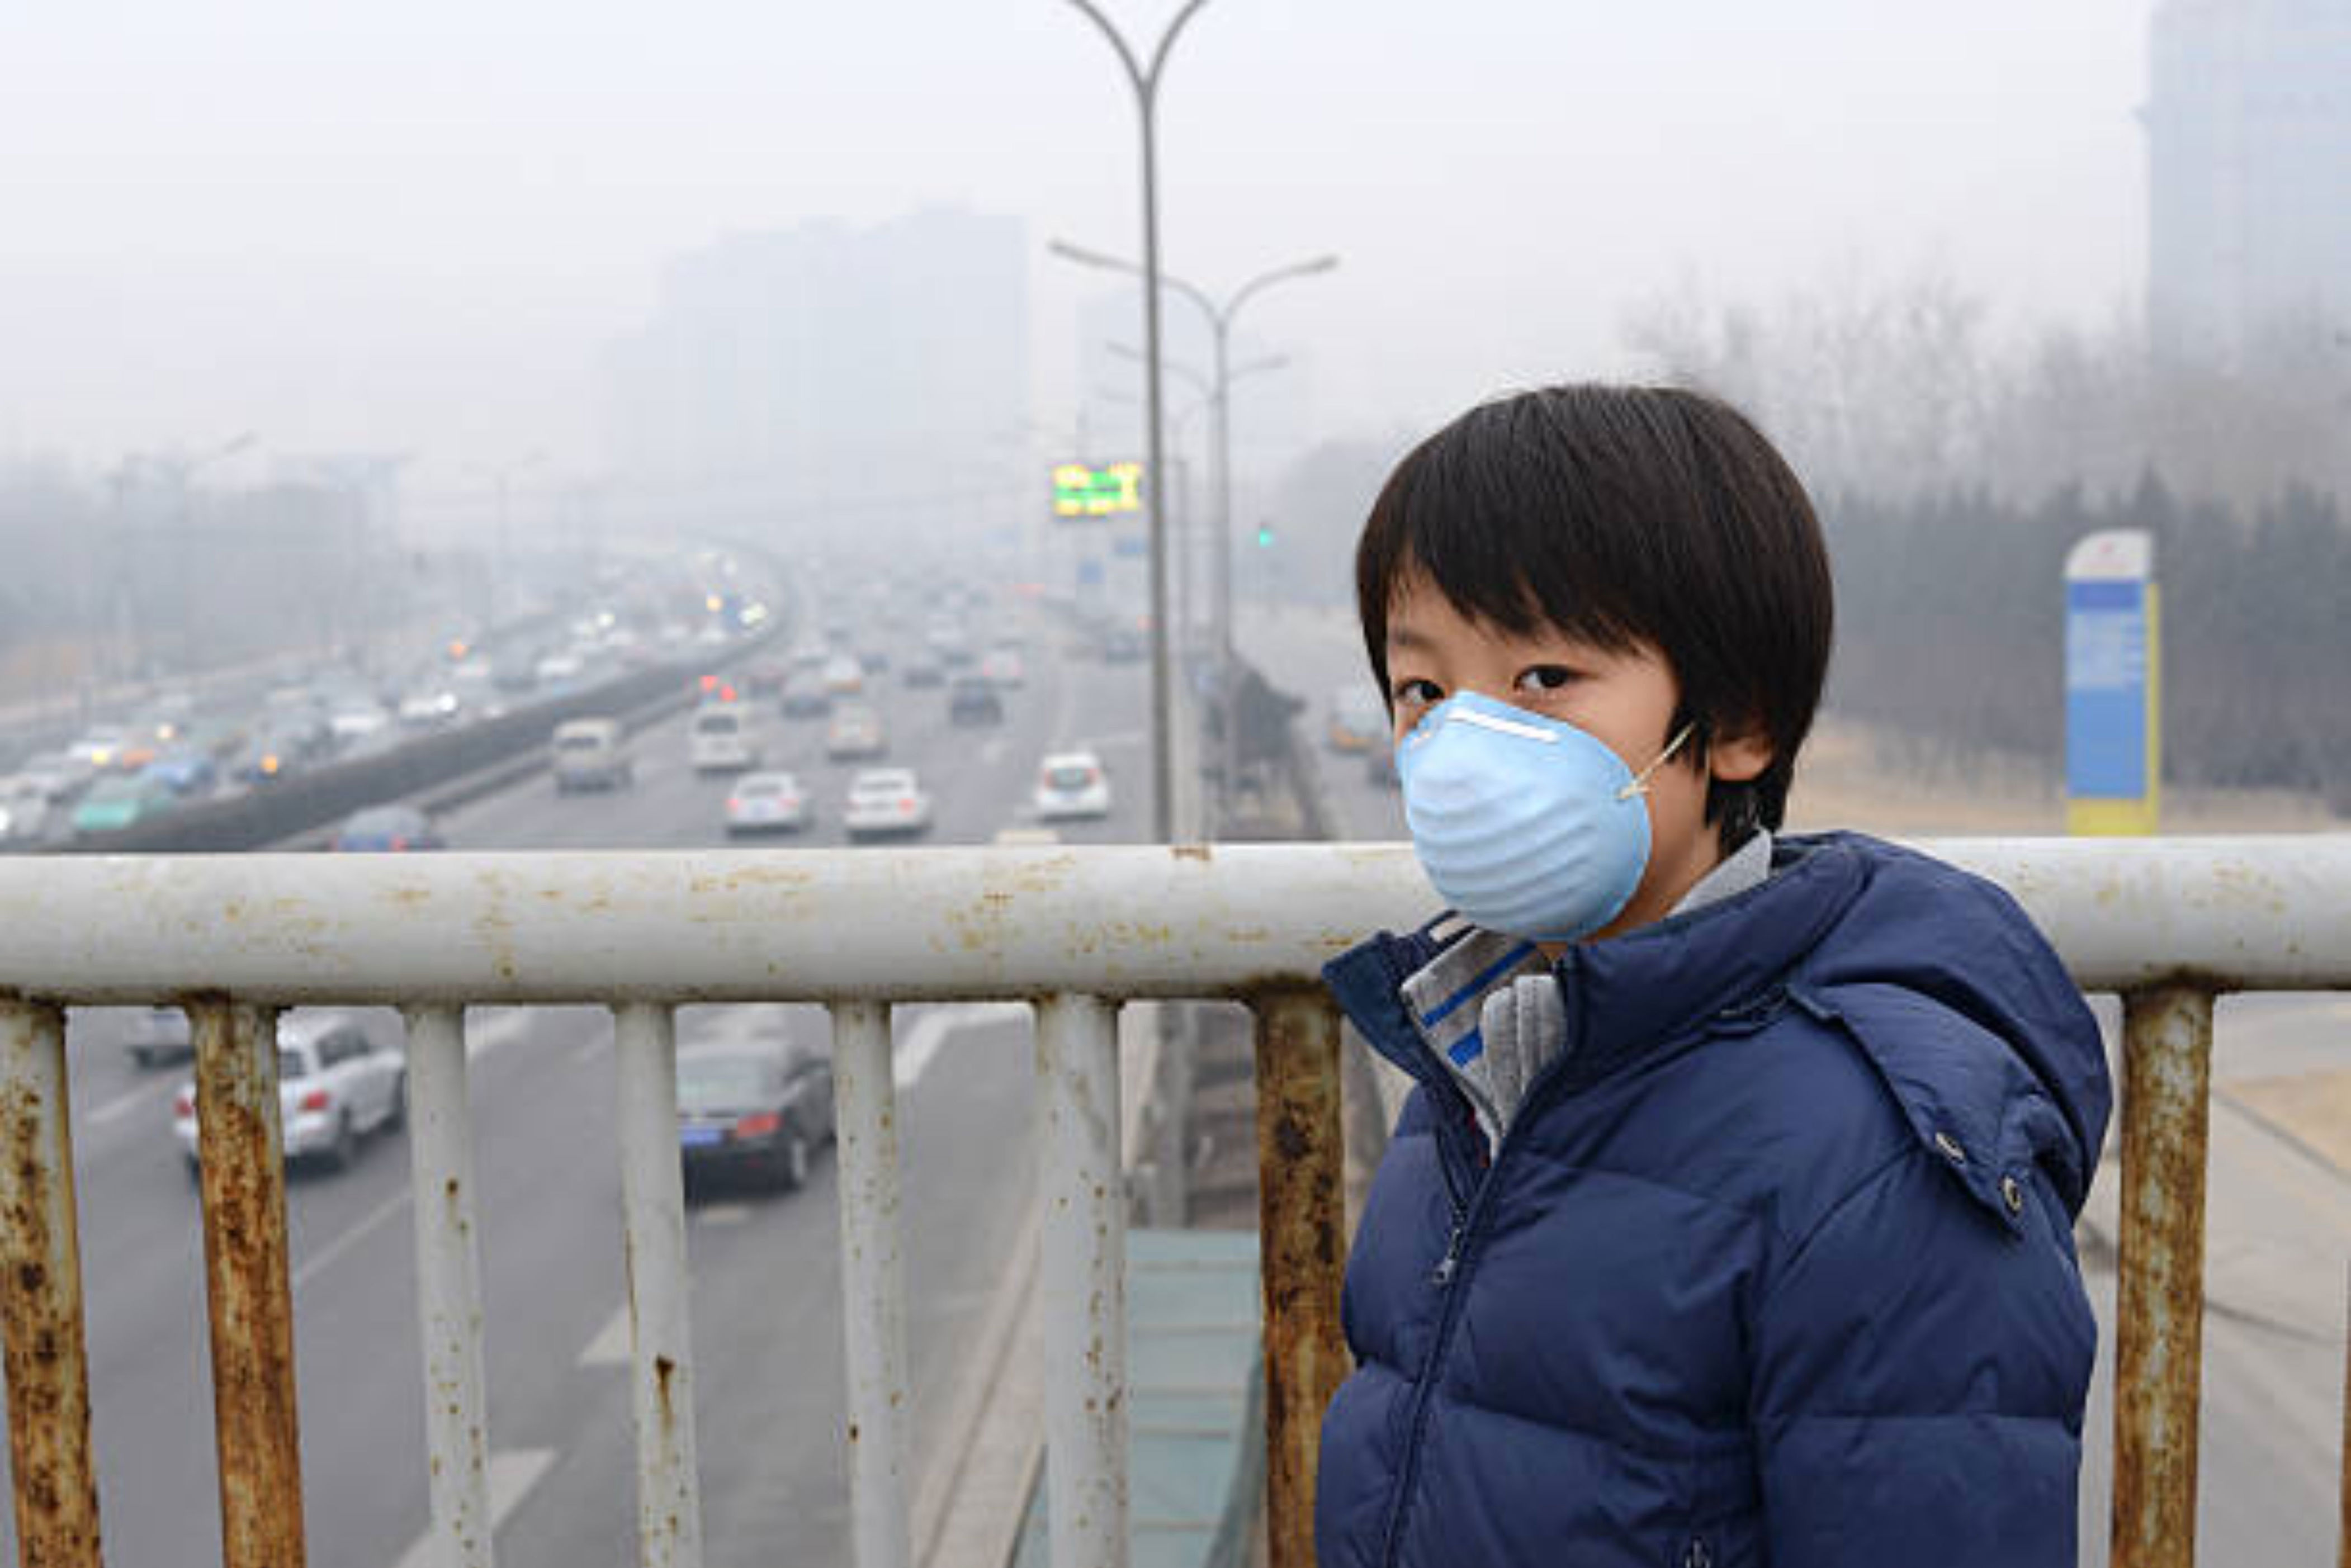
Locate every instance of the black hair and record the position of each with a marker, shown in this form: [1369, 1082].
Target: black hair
[1621, 515]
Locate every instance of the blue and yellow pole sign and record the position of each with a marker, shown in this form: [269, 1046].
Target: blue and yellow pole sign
[2114, 731]
[1082, 492]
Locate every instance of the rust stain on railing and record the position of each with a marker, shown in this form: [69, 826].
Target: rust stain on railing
[247, 1285]
[40, 1297]
[2159, 1318]
[1302, 1249]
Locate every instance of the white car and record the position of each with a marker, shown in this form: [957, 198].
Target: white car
[1071, 784]
[843, 675]
[766, 802]
[335, 1086]
[855, 733]
[886, 801]
[724, 738]
[1004, 666]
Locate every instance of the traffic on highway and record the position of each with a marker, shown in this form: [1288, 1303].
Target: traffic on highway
[1051, 758]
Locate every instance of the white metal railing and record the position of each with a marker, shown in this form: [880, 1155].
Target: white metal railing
[1076, 932]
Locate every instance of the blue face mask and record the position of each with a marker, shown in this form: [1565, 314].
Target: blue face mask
[1526, 825]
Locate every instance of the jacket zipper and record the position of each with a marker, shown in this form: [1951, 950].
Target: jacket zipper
[1449, 1275]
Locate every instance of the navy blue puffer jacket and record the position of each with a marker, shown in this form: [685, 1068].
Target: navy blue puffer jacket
[1775, 1266]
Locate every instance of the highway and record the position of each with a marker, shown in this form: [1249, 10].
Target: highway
[2278, 1214]
[766, 1319]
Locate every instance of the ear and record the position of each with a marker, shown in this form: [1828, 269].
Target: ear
[1739, 756]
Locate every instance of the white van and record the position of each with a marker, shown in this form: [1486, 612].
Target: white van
[724, 738]
[589, 755]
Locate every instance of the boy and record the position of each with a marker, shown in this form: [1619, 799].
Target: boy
[1731, 1220]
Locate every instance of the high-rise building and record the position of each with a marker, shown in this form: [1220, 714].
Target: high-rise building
[830, 366]
[2249, 163]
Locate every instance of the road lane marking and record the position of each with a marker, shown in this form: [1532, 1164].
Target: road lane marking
[512, 1475]
[611, 1345]
[491, 1028]
[931, 1030]
[325, 1256]
[723, 1214]
[124, 1103]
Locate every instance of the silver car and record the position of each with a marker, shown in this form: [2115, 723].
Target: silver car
[336, 1084]
[886, 801]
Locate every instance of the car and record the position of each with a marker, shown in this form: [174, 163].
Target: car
[1125, 645]
[1071, 784]
[875, 661]
[972, 699]
[766, 802]
[1358, 721]
[157, 1036]
[766, 677]
[886, 801]
[590, 753]
[724, 739]
[855, 732]
[355, 723]
[101, 748]
[54, 776]
[395, 830]
[843, 675]
[122, 801]
[922, 672]
[754, 1096]
[1004, 666]
[24, 812]
[185, 772]
[430, 707]
[336, 1084]
[805, 697]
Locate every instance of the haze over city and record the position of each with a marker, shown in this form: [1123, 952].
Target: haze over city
[417, 229]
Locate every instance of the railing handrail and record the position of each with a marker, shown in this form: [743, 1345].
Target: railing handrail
[978, 924]
[2171, 923]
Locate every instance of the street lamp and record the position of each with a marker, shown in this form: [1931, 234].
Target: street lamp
[1145, 82]
[501, 564]
[1221, 325]
[1211, 401]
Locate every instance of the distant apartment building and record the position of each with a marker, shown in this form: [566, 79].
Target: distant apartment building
[830, 365]
[2249, 160]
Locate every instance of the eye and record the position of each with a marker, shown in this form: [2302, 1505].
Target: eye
[1415, 691]
[1545, 678]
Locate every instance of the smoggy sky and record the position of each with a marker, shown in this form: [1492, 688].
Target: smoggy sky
[413, 227]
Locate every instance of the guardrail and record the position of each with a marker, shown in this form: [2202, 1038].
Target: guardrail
[1075, 932]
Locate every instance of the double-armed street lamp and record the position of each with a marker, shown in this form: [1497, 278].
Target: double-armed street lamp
[1220, 315]
[1144, 79]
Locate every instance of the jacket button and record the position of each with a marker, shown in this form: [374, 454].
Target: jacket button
[2012, 1195]
[1951, 1148]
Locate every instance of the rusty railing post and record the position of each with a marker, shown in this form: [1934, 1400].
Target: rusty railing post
[1302, 1242]
[2343, 1529]
[248, 1285]
[2159, 1318]
[40, 1295]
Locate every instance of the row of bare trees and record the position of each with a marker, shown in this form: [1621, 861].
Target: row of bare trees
[1955, 467]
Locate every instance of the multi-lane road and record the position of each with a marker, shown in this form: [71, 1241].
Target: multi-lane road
[766, 1319]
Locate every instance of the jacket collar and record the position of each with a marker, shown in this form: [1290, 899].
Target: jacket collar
[1647, 987]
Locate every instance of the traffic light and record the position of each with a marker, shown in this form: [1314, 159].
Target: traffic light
[1265, 536]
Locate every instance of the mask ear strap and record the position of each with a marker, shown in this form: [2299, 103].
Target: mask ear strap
[1640, 784]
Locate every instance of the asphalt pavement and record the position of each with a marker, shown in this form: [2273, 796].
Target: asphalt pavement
[767, 1309]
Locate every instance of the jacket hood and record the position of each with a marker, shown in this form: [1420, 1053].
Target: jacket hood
[1930, 967]
[1937, 975]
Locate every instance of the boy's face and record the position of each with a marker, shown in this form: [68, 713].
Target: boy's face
[1625, 700]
